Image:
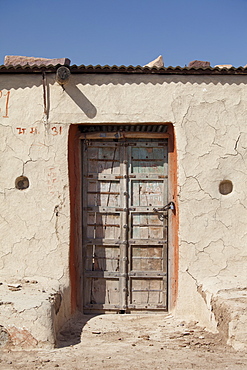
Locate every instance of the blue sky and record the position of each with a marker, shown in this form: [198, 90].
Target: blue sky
[126, 32]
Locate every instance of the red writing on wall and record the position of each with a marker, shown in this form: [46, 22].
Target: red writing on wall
[55, 130]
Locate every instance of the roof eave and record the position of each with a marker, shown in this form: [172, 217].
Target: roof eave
[74, 69]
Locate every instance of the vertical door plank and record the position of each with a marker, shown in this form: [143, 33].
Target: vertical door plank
[148, 261]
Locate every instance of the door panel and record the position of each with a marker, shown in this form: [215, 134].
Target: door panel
[102, 258]
[103, 293]
[146, 226]
[147, 258]
[146, 293]
[147, 159]
[103, 225]
[103, 159]
[103, 193]
[124, 240]
[145, 193]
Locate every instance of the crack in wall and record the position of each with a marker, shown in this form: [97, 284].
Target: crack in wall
[237, 141]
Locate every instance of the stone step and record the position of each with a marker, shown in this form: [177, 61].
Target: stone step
[229, 308]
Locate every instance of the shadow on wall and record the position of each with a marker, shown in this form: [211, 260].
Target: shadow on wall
[21, 81]
[15, 81]
[125, 79]
[81, 100]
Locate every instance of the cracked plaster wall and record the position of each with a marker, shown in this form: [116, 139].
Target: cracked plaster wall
[209, 114]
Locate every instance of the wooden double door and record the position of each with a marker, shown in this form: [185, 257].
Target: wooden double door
[124, 236]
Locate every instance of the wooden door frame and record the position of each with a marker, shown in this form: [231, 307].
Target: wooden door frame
[75, 189]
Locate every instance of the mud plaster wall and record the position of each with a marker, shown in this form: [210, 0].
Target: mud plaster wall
[209, 117]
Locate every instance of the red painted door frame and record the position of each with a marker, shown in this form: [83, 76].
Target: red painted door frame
[75, 259]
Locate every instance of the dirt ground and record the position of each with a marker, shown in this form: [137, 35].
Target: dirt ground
[129, 342]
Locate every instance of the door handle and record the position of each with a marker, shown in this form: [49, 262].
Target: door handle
[170, 205]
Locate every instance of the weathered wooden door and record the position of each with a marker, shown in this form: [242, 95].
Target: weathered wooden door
[124, 238]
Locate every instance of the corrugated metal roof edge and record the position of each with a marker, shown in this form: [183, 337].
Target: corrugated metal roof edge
[125, 69]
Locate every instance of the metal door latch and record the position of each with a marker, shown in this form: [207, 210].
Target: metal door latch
[168, 206]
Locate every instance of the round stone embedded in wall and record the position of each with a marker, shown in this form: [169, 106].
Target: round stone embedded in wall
[225, 187]
[21, 182]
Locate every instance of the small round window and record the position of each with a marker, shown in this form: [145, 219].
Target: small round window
[21, 183]
[225, 187]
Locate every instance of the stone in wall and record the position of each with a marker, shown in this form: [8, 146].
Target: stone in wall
[198, 64]
[14, 60]
[158, 62]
